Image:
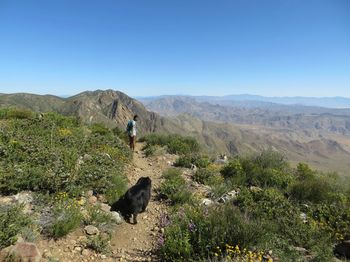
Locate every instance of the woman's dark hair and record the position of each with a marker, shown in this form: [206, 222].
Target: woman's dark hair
[135, 117]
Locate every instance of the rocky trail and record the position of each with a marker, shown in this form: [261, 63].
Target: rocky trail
[129, 242]
[137, 242]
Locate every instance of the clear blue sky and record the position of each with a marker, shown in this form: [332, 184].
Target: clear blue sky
[154, 47]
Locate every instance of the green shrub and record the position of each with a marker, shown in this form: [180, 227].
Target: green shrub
[15, 113]
[57, 154]
[196, 234]
[205, 176]
[174, 187]
[100, 129]
[100, 243]
[12, 223]
[175, 144]
[267, 169]
[66, 216]
[195, 159]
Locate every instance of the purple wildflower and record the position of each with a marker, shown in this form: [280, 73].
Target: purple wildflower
[164, 220]
[192, 226]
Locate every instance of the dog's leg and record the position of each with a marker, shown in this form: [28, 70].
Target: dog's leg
[135, 218]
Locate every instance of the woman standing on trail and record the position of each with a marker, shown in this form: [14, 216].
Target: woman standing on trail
[131, 130]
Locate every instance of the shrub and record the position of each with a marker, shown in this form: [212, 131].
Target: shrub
[175, 144]
[58, 154]
[174, 187]
[267, 169]
[195, 159]
[205, 176]
[195, 234]
[66, 216]
[12, 223]
[100, 243]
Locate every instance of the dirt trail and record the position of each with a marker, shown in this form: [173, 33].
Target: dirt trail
[129, 242]
[136, 242]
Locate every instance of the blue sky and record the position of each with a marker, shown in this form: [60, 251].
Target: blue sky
[155, 47]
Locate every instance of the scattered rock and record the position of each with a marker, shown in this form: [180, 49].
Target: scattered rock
[207, 202]
[47, 254]
[103, 256]
[101, 198]
[77, 248]
[6, 200]
[255, 189]
[89, 193]
[105, 207]
[92, 200]
[117, 217]
[91, 230]
[303, 217]
[301, 250]
[23, 251]
[228, 196]
[85, 252]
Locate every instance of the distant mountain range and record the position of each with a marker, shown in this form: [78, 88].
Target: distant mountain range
[251, 100]
[316, 135]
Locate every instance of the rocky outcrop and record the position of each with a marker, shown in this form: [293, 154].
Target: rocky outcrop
[21, 252]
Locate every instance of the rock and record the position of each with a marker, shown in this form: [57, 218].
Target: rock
[89, 193]
[169, 163]
[162, 230]
[228, 196]
[23, 198]
[343, 249]
[6, 200]
[255, 188]
[23, 251]
[105, 207]
[91, 230]
[303, 217]
[117, 217]
[207, 202]
[47, 254]
[92, 200]
[87, 157]
[150, 164]
[101, 198]
[103, 256]
[78, 249]
[193, 167]
[301, 250]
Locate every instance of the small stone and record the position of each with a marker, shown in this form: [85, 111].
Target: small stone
[85, 252]
[134, 239]
[117, 217]
[105, 207]
[47, 254]
[103, 256]
[150, 164]
[91, 230]
[156, 229]
[78, 249]
[92, 200]
[162, 230]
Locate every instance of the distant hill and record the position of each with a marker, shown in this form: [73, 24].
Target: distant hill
[320, 137]
[250, 100]
[112, 108]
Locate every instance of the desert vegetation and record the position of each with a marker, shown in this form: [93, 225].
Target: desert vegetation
[294, 214]
[58, 160]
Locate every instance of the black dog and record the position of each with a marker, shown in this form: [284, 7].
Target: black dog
[135, 200]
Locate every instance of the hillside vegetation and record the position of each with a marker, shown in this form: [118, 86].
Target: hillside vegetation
[275, 212]
[58, 160]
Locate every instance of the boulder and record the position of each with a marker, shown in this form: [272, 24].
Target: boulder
[21, 252]
[91, 230]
